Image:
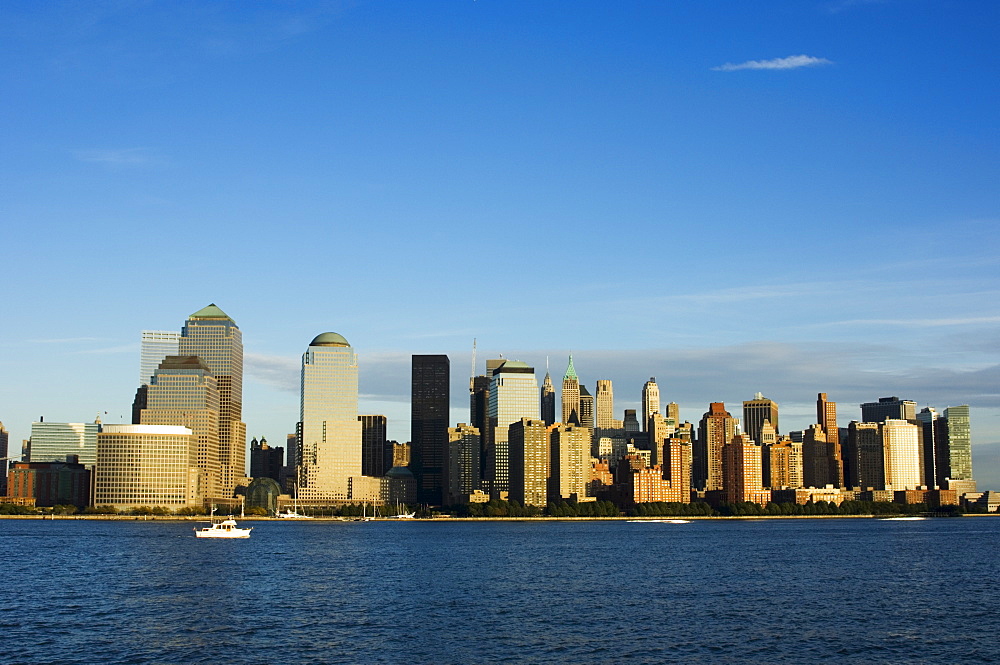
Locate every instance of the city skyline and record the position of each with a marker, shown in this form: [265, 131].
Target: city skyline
[787, 199]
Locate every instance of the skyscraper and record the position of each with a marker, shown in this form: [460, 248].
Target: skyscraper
[330, 432]
[529, 461]
[955, 444]
[52, 442]
[570, 396]
[586, 408]
[650, 401]
[822, 462]
[429, 418]
[888, 407]
[864, 458]
[548, 400]
[265, 461]
[513, 395]
[462, 473]
[605, 404]
[826, 416]
[4, 443]
[716, 429]
[184, 392]
[569, 461]
[755, 413]
[214, 337]
[147, 465]
[929, 430]
[741, 472]
[156, 345]
[373, 438]
[901, 447]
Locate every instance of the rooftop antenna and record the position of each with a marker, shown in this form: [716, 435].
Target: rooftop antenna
[472, 375]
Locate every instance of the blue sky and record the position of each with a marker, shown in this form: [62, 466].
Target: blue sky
[791, 197]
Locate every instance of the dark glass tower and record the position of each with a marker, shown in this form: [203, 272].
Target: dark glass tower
[429, 390]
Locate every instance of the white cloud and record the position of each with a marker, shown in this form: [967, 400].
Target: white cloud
[791, 62]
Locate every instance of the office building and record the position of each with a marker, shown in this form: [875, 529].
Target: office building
[513, 395]
[155, 346]
[631, 422]
[529, 461]
[673, 411]
[586, 408]
[53, 442]
[373, 438]
[650, 401]
[927, 421]
[429, 419]
[265, 461]
[4, 447]
[901, 447]
[954, 459]
[147, 465]
[826, 416]
[462, 474]
[756, 412]
[864, 457]
[822, 463]
[888, 407]
[716, 429]
[570, 396]
[184, 392]
[214, 337]
[548, 400]
[604, 405]
[329, 430]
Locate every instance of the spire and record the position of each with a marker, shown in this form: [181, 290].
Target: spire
[570, 371]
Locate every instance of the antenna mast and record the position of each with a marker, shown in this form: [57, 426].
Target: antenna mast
[472, 375]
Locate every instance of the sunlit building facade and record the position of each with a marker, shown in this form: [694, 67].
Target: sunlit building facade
[155, 346]
[513, 395]
[147, 465]
[52, 442]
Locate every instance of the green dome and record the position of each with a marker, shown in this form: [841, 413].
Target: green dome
[329, 339]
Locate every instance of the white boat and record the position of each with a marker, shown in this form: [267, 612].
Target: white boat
[400, 515]
[661, 521]
[900, 519]
[221, 529]
[290, 514]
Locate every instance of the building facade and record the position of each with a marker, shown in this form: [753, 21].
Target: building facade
[513, 395]
[155, 345]
[52, 442]
[529, 461]
[147, 465]
[756, 412]
[429, 418]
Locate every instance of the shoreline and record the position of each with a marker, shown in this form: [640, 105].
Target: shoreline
[338, 520]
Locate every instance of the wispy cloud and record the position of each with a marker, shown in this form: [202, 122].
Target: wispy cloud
[280, 372]
[915, 323]
[791, 62]
[116, 157]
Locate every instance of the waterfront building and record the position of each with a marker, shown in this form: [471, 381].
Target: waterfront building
[147, 465]
[462, 474]
[154, 347]
[548, 400]
[888, 407]
[954, 456]
[864, 457]
[716, 429]
[741, 472]
[47, 484]
[265, 461]
[604, 405]
[214, 337]
[513, 395]
[184, 392]
[756, 412]
[529, 461]
[650, 401]
[429, 418]
[53, 442]
[569, 460]
[571, 396]
[373, 438]
[263, 492]
[329, 430]
[4, 447]
[901, 448]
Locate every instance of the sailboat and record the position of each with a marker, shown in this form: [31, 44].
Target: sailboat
[400, 515]
[290, 514]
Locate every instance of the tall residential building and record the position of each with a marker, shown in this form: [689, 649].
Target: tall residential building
[888, 407]
[548, 400]
[659, 431]
[156, 345]
[214, 337]
[52, 442]
[822, 463]
[901, 447]
[741, 472]
[329, 429]
[673, 411]
[569, 461]
[479, 409]
[676, 467]
[513, 395]
[184, 392]
[4, 447]
[826, 416]
[147, 465]
[781, 464]
[716, 429]
[373, 438]
[604, 405]
[462, 473]
[756, 412]
[570, 396]
[650, 401]
[955, 445]
[864, 458]
[529, 461]
[429, 418]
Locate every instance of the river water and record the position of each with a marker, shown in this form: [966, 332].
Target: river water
[712, 591]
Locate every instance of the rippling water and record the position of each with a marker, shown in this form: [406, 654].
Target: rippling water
[714, 591]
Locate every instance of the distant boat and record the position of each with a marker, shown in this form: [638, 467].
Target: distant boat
[886, 519]
[400, 515]
[661, 521]
[290, 514]
[222, 529]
